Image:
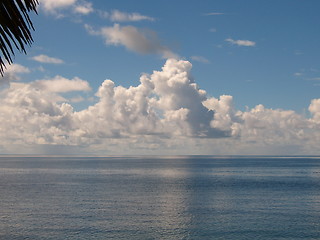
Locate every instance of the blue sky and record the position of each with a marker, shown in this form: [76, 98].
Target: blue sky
[253, 53]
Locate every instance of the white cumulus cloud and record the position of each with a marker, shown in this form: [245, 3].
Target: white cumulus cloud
[12, 73]
[314, 109]
[165, 103]
[165, 113]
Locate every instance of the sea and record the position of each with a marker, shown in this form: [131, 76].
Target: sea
[160, 197]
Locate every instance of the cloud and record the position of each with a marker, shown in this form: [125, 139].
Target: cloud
[12, 73]
[118, 16]
[166, 103]
[166, 112]
[51, 6]
[85, 8]
[134, 39]
[77, 99]
[200, 59]
[298, 52]
[60, 85]
[46, 59]
[32, 116]
[314, 109]
[245, 43]
[225, 116]
[82, 7]
[214, 14]
[272, 126]
[298, 74]
[55, 7]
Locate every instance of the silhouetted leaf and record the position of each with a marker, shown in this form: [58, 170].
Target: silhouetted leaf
[15, 25]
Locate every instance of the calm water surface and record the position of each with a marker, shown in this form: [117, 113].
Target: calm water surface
[159, 198]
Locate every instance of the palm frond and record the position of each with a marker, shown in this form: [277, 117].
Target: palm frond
[15, 26]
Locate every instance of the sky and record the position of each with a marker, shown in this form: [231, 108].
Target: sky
[211, 77]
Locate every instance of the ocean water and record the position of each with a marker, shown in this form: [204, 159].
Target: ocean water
[191, 197]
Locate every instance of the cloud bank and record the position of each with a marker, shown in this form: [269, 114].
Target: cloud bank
[166, 113]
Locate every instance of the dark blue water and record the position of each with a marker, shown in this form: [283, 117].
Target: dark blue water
[159, 198]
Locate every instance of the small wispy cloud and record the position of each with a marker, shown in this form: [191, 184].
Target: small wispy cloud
[245, 43]
[298, 52]
[56, 8]
[51, 6]
[200, 59]
[84, 8]
[298, 74]
[119, 16]
[46, 59]
[137, 40]
[315, 79]
[213, 14]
